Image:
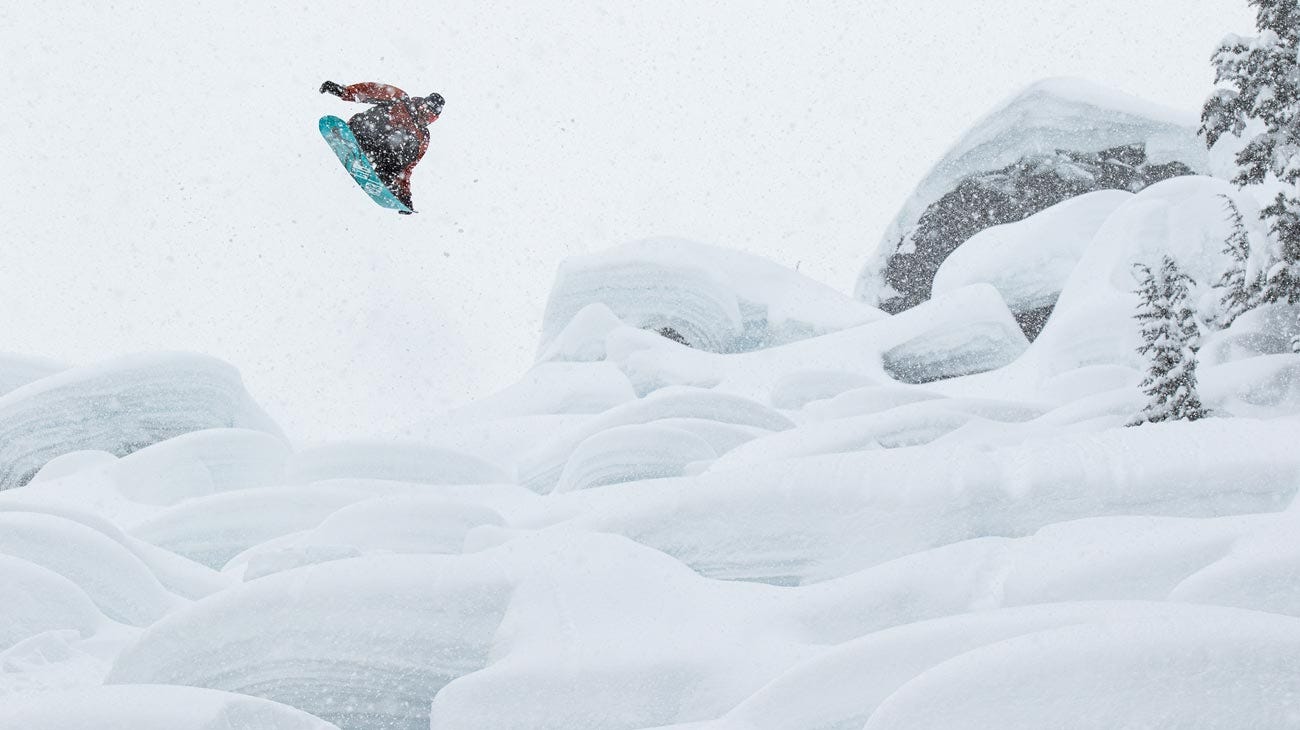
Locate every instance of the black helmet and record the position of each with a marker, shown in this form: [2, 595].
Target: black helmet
[435, 101]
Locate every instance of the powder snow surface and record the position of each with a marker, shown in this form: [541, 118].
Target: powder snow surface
[819, 516]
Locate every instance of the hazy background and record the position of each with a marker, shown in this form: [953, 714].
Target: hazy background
[164, 186]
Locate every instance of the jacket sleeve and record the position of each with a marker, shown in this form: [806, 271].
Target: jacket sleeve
[371, 92]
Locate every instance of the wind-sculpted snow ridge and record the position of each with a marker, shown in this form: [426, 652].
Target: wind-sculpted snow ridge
[706, 297]
[120, 406]
[1048, 135]
[889, 503]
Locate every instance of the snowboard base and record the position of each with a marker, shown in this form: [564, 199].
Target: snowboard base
[340, 138]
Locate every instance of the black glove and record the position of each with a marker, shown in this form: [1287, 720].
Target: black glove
[329, 87]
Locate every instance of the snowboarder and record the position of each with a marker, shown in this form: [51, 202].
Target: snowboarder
[394, 133]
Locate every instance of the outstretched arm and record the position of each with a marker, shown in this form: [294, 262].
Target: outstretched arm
[364, 92]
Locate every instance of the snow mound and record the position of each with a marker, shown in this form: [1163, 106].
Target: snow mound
[1093, 320]
[118, 582]
[191, 465]
[19, 370]
[797, 389]
[120, 406]
[1191, 670]
[38, 599]
[541, 468]
[153, 707]
[562, 659]
[212, 530]
[1029, 261]
[395, 524]
[1051, 115]
[967, 331]
[631, 453]
[180, 576]
[363, 643]
[403, 462]
[712, 298]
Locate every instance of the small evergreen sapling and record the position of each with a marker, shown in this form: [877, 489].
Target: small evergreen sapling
[1170, 338]
[1238, 295]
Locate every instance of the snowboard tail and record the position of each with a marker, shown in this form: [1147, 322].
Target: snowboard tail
[340, 138]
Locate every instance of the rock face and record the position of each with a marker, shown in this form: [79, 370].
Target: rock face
[1058, 139]
[1013, 193]
[1029, 261]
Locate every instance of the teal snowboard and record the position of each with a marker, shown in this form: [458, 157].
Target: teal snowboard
[344, 143]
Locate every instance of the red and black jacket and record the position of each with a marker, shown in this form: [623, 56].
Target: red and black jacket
[395, 133]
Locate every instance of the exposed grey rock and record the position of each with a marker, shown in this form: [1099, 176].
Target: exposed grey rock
[1007, 195]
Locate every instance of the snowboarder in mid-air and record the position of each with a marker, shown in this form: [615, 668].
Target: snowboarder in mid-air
[394, 133]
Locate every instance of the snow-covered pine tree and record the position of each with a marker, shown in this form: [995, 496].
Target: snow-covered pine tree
[1170, 339]
[1259, 80]
[1237, 294]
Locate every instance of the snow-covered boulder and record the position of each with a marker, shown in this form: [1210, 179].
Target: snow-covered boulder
[707, 297]
[363, 643]
[542, 467]
[119, 406]
[1092, 323]
[967, 331]
[630, 453]
[1055, 140]
[1029, 261]
[152, 707]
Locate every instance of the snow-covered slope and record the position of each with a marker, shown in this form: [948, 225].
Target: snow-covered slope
[808, 515]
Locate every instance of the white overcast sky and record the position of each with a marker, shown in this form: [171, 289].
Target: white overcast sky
[164, 186]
